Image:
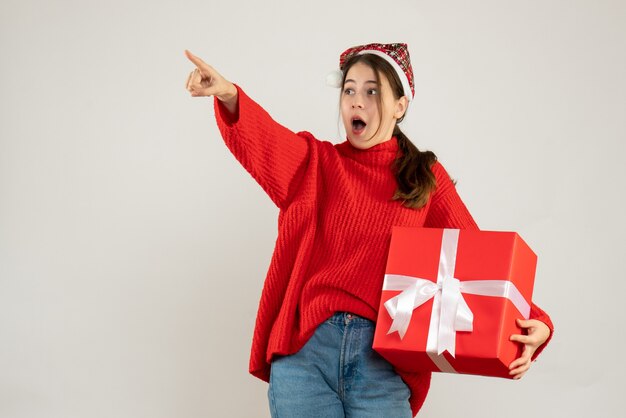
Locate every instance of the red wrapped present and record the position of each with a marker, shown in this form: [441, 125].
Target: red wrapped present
[450, 299]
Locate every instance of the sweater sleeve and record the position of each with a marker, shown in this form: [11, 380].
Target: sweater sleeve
[275, 156]
[447, 210]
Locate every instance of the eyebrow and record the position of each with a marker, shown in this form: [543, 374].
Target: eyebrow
[368, 81]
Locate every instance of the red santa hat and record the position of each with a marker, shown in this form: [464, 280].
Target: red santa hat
[396, 54]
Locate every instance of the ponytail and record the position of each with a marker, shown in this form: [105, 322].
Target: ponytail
[413, 173]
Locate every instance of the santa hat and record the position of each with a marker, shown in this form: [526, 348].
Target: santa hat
[396, 54]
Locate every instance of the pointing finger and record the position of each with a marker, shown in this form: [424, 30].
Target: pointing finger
[196, 60]
[191, 56]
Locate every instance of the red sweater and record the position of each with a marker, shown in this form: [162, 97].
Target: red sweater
[334, 229]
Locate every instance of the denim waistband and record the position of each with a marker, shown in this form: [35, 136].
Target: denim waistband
[345, 318]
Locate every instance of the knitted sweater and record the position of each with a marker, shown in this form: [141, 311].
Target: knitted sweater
[334, 229]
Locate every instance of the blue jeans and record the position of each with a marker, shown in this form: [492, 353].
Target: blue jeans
[337, 374]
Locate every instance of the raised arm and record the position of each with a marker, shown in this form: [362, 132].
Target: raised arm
[276, 157]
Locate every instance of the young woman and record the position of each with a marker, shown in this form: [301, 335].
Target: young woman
[315, 322]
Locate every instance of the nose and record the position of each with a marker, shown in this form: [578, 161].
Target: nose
[357, 102]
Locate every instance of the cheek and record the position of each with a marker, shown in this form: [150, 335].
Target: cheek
[375, 113]
[344, 115]
[387, 114]
[346, 110]
[342, 104]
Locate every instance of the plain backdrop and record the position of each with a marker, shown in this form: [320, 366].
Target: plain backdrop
[133, 246]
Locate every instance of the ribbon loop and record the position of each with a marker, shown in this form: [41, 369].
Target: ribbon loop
[415, 292]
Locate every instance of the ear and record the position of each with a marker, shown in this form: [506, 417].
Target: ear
[401, 105]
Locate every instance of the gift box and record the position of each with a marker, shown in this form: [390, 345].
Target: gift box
[450, 299]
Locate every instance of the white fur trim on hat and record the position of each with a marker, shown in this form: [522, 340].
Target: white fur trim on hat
[403, 78]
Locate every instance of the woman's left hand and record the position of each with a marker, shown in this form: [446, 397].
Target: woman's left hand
[537, 334]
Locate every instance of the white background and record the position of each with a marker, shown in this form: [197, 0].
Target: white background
[133, 246]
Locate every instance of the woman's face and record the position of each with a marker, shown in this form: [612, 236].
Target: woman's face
[365, 125]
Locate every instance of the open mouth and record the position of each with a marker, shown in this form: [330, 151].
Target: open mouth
[358, 125]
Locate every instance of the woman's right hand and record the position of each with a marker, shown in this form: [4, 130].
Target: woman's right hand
[205, 81]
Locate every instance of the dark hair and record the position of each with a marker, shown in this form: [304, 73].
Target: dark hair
[412, 167]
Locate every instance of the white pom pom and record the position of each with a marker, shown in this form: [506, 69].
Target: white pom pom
[334, 78]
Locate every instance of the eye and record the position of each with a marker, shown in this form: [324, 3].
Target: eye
[372, 92]
[348, 91]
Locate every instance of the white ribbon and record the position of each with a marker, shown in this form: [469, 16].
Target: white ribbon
[450, 312]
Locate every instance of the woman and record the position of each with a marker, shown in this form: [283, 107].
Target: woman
[315, 322]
